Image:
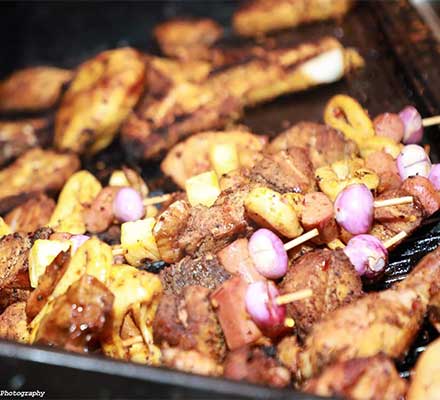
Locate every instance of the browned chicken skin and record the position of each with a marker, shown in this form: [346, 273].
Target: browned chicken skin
[32, 89]
[331, 277]
[384, 322]
[13, 324]
[373, 378]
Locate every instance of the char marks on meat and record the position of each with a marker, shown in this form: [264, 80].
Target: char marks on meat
[203, 271]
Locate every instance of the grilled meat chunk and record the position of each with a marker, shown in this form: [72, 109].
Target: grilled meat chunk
[372, 378]
[425, 381]
[384, 322]
[331, 277]
[188, 38]
[255, 365]
[191, 157]
[204, 271]
[32, 89]
[18, 136]
[258, 17]
[424, 191]
[79, 318]
[100, 97]
[385, 166]
[324, 144]
[190, 107]
[11, 296]
[14, 252]
[187, 321]
[285, 171]
[99, 215]
[13, 325]
[35, 171]
[31, 215]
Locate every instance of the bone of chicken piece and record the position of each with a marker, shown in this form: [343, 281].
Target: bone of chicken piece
[185, 108]
[384, 322]
[258, 17]
[102, 94]
[32, 89]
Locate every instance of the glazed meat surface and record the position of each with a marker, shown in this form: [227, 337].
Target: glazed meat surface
[187, 107]
[384, 322]
[188, 321]
[257, 17]
[18, 136]
[187, 38]
[191, 157]
[32, 89]
[324, 144]
[256, 365]
[31, 215]
[205, 271]
[14, 252]
[331, 277]
[35, 171]
[78, 319]
[373, 378]
[13, 325]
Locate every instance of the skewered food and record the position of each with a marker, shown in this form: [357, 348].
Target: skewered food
[257, 17]
[413, 161]
[33, 89]
[13, 324]
[35, 171]
[413, 126]
[434, 176]
[98, 100]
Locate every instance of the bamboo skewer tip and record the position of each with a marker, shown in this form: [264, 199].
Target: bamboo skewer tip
[301, 239]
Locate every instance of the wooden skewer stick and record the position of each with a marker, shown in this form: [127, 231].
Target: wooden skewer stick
[156, 199]
[393, 202]
[431, 121]
[395, 239]
[117, 251]
[291, 297]
[133, 340]
[301, 239]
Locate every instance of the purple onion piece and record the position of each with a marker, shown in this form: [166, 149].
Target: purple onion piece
[412, 120]
[268, 254]
[354, 209]
[128, 205]
[78, 241]
[413, 161]
[367, 254]
[434, 176]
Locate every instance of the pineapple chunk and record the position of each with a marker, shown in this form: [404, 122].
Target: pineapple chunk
[118, 178]
[203, 189]
[42, 253]
[224, 158]
[268, 208]
[138, 241]
[4, 228]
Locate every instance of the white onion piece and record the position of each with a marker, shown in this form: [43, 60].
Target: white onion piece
[261, 305]
[354, 208]
[367, 254]
[128, 205]
[413, 161]
[434, 176]
[413, 123]
[78, 241]
[268, 254]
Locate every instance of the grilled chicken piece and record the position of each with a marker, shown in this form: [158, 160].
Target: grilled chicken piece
[258, 17]
[191, 157]
[32, 89]
[187, 38]
[80, 331]
[286, 171]
[32, 215]
[256, 365]
[187, 321]
[384, 322]
[188, 107]
[18, 136]
[13, 325]
[205, 271]
[35, 171]
[14, 252]
[331, 277]
[190, 361]
[100, 97]
[425, 380]
[324, 144]
[373, 378]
